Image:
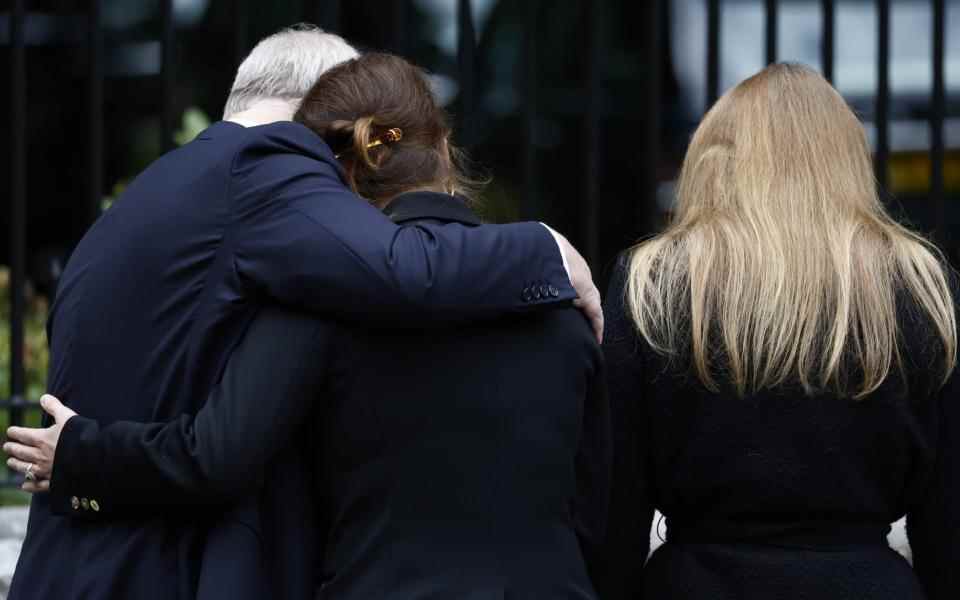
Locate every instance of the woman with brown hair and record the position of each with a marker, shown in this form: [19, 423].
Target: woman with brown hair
[469, 461]
[782, 375]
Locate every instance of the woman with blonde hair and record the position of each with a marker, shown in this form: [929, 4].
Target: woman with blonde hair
[782, 373]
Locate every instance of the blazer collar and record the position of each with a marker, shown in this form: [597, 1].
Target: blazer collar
[217, 128]
[416, 206]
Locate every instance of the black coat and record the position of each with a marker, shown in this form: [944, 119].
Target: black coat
[780, 495]
[469, 462]
[163, 286]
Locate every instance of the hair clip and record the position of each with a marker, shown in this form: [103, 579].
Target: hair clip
[394, 134]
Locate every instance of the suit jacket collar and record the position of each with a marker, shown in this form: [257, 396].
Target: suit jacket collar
[417, 206]
[217, 128]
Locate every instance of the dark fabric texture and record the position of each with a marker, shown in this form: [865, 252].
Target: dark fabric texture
[778, 494]
[164, 284]
[466, 462]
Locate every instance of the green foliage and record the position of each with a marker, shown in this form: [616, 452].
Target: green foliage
[36, 360]
[36, 355]
[118, 188]
[192, 123]
[14, 497]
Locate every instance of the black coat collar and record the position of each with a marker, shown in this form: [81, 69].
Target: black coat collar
[418, 206]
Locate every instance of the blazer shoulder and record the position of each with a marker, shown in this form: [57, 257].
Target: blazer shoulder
[281, 159]
[283, 140]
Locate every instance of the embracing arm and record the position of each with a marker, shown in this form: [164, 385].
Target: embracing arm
[270, 385]
[627, 542]
[302, 238]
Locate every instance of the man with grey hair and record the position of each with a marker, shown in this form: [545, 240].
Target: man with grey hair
[280, 71]
[161, 289]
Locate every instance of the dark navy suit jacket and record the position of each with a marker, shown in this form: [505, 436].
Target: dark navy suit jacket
[468, 462]
[163, 286]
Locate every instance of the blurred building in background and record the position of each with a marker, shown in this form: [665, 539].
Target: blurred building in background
[579, 110]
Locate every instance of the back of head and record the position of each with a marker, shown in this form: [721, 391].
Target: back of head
[380, 117]
[780, 257]
[285, 66]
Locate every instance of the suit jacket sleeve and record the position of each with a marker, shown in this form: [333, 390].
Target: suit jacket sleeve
[302, 238]
[627, 542]
[269, 387]
[933, 526]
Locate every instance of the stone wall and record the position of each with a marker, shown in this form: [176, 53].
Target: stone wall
[13, 526]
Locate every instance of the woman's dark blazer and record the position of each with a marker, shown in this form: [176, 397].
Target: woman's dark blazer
[470, 462]
[778, 494]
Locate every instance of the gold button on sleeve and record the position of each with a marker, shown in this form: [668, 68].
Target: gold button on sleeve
[75, 502]
[85, 503]
[95, 505]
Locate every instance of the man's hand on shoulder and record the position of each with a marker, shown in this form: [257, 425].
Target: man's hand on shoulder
[582, 281]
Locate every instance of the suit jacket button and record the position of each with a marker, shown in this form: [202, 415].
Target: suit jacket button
[536, 293]
[554, 292]
[85, 503]
[525, 295]
[544, 291]
[95, 505]
[75, 502]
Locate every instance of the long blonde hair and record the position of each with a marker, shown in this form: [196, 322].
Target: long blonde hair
[780, 263]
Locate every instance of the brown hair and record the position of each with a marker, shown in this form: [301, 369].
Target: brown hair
[355, 106]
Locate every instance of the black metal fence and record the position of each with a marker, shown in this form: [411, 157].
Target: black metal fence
[18, 208]
[584, 222]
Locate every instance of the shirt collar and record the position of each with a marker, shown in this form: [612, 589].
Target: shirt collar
[414, 206]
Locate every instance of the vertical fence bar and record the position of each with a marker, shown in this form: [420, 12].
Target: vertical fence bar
[771, 33]
[94, 111]
[657, 24]
[938, 106]
[400, 27]
[310, 10]
[591, 132]
[829, 13]
[713, 52]
[328, 14]
[241, 25]
[882, 117]
[531, 202]
[18, 205]
[167, 74]
[466, 63]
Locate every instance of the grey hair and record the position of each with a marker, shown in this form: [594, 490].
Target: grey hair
[285, 66]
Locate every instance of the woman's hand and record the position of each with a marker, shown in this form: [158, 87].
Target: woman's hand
[32, 450]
